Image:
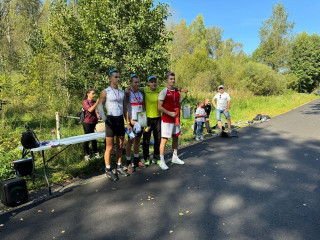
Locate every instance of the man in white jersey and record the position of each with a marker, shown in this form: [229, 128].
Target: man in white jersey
[222, 106]
[115, 104]
[135, 104]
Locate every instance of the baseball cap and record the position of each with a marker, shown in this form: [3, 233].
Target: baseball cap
[221, 86]
[151, 77]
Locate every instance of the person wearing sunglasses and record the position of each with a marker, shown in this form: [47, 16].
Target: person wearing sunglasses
[221, 101]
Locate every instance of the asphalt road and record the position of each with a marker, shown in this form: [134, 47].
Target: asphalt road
[262, 185]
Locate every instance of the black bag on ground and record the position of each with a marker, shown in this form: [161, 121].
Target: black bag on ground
[82, 114]
[258, 117]
[29, 140]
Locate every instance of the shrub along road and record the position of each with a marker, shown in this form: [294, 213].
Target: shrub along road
[262, 185]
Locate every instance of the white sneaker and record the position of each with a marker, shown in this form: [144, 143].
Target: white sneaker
[177, 160]
[201, 138]
[163, 166]
[97, 155]
[87, 158]
[197, 139]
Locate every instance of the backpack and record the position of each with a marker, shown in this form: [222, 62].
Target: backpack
[29, 140]
[82, 114]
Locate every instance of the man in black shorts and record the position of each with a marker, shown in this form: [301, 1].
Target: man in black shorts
[114, 101]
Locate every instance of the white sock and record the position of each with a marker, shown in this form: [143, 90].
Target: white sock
[175, 154]
[108, 167]
[162, 158]
[129, 158]
[136, 155]
[119, 164]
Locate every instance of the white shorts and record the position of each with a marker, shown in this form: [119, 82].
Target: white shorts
[169, 129]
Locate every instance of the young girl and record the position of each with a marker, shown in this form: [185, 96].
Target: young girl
[135, 104]
[201, 119]
[90, 121]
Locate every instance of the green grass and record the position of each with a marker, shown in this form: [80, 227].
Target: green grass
[70, 163]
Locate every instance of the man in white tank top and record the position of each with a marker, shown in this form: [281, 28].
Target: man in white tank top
[115, 104]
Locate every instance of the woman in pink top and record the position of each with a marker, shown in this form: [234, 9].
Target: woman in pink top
[90, 121]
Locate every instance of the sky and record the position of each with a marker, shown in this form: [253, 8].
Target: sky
[241, 19]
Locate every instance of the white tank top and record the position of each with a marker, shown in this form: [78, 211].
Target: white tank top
[135, 104]
[114, 101]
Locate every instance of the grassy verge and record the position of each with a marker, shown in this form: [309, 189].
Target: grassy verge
[70, 163]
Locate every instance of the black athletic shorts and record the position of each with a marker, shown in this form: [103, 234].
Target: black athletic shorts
[115, 126]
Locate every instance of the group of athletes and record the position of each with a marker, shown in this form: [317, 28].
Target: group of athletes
[162, 106]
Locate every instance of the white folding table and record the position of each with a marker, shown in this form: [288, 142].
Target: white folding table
[65, 143]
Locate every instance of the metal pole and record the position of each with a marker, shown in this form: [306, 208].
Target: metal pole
[58, 125]
[44, 171]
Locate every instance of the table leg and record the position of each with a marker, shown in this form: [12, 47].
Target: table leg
[33, 168]
[44, 171]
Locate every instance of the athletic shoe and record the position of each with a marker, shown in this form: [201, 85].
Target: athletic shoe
[97, 155]
[147, 163]
[163, 166]
[177, 160]
[111, 175]
[142, 163]
[87, 158]
[130, 169]
[197, 139]
[156, 161]
[201, 137]
[122, 172]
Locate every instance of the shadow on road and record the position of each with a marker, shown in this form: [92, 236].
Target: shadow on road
[262, 185]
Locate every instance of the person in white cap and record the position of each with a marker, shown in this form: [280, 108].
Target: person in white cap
[222, 106]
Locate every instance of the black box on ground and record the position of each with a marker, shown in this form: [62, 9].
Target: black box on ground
[23, 167]
[13, 192]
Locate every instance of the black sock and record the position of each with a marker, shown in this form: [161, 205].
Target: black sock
[128, 162]
[136, 161]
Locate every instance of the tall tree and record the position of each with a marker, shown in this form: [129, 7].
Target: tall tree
[275, 35]
[305, 62]
[95, 36]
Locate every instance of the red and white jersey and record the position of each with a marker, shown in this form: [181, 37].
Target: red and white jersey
[171, 100]
[135, 104]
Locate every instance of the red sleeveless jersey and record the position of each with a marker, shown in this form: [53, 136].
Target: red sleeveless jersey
[170, 103]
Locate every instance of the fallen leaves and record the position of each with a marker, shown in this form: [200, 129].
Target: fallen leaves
[150, 198]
